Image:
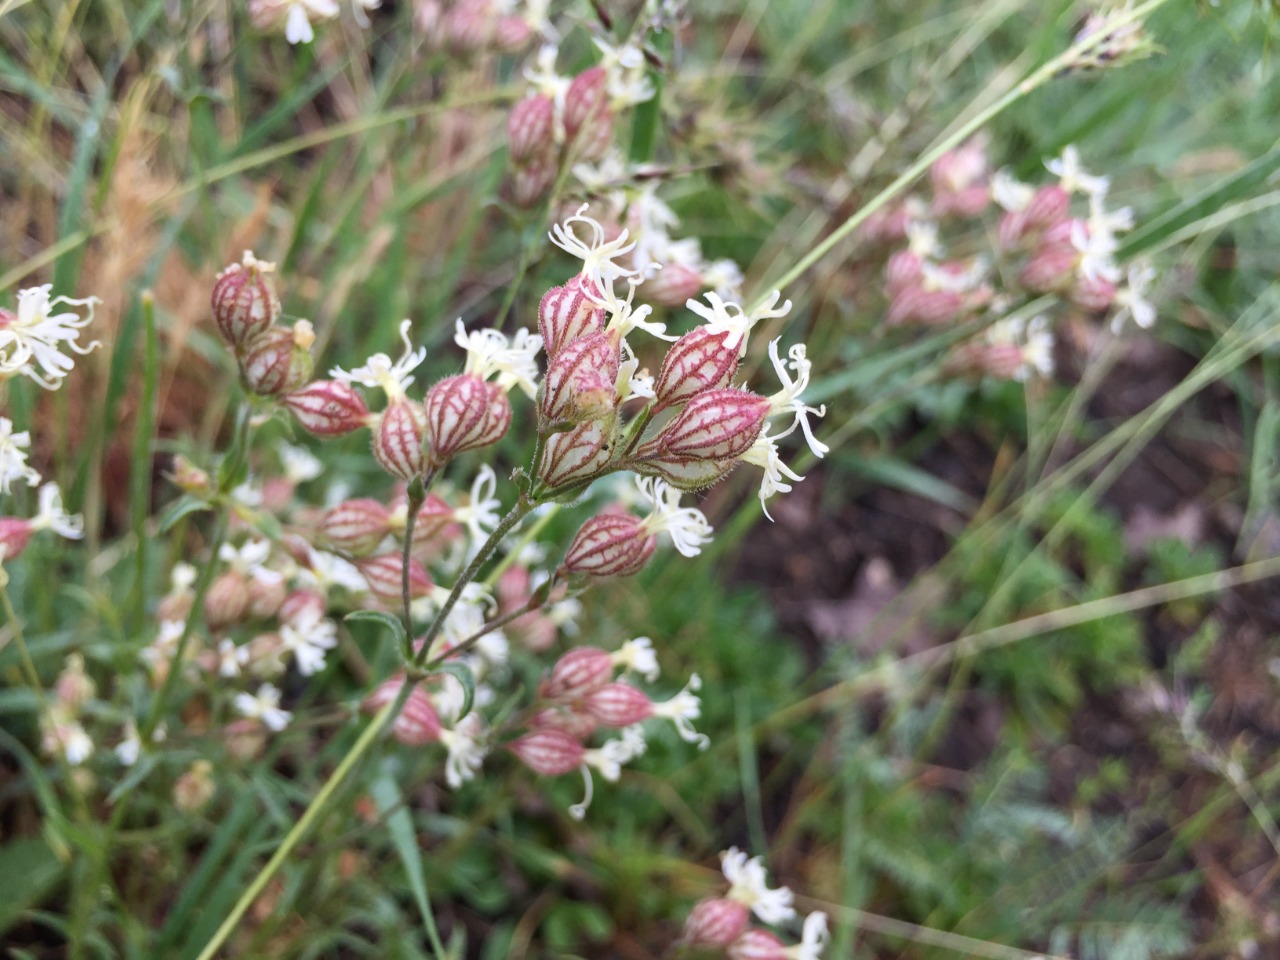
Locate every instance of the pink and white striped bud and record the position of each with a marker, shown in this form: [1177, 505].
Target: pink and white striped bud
[15, 534]
[609, 545]
[581, 381]
[227, 600]
[618, 705]
[398, 438]
[530, 183]
[1002, 361]
[1095, 294]
[904, 270]
[577, 673]
[278, 360]
[757, 944]
[674, 284]
[418, 722]
[588, 122]
[576, 723]
[530, 129]
[700, 360]
[264, 597]
[918, 305]
[577, 454]
[567, 313]
[1052, 269]
[244, 300]
[385, 576]
[716, 922]
[549, 751]
[464, 413]
[302, 606]
[328, 408]
[719, 424]
[1049, 206]
[512, 33]
[356, 526]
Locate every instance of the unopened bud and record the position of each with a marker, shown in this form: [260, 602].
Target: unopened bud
[398, 438]
[588, 122]
[577, 673]
[548, 751]
[277, 360]
[719, 424]
[512, 33]
[328, 408]
[1051, 270]
[264, 597]
[1093, 293]
[757, 944]
[195, 788]
[918, 305]
[700, 360]
[226, 600]
[356, 526]
[464, 412]
[610, 545]
[577, 454]
[529, 128]
[576, 723]
[715, 922]
[244, 299]
[302, 606]
[581, 381]
[674, 284]
[567, 313]
[618, 705]
[189, 478]
[905, 269]
[418, 722]
[530, 183]
[15, 534]
[385, 574]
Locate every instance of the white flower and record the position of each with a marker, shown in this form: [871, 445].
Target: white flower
[68, 738]
[182, 577]
[308, 638]
[31, 338]
[483, 513]
[297, 25]
[1097, 247]
[513, 361]
[543, 78]
[787, 400]
[687, 526]
[379, 371]
[627, 80]
[1034, 337]
[1073, 176]
[249, 561]
[467, 750]
[231, 658]
[633, 382]
[748, 887]
[1132, 299]
[623, 319]
[608, 760]
[13, 456]
[764, 454]
[1012, 194]
[812, 940]
[597, 256]
[264, 706]
[683, 708]
[936, 277]
[165, 646]
[300, 464]
[922, 238]
[638, 656]
[324, 571]
[724, 277]
[51, 516]
[729, 317]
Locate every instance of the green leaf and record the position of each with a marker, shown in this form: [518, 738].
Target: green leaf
[386, 793]
[28, 871]
[465, 677]
[392, 623]
[137, 773]
[180, 508]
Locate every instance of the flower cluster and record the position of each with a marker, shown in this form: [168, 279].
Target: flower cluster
[725, 922]
[468, 27]
[296, 17]
[1058, 239]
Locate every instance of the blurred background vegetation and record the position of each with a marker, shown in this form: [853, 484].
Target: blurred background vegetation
[999, 681]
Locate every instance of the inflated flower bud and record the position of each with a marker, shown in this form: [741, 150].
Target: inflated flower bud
[418, 722]
[1049, 206]
[1051, 270]
[398, 438]
[277, 360]
[905, 269]
[716, 922]
[302, 606]
[529, 128]
[1093, 293]
[530, 183]
[674, 284]
[195, 788]
[548, 751]
[576, 723]
[702, 359]
[244, 300]
[610, 545]
[577, 673]
[74, 688]
[717, 424]
[918, 305]
[588, 122]
[512, 33]
[757, 944]
[685, 473]
[618, 705]
[15, 534]
[567, 313]
[226, 600]
[189, 478]
[577, 454]
[263, 598]
[581, 381]
[356, 526]
[328, 408]
[385, 576]
[464, 412]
